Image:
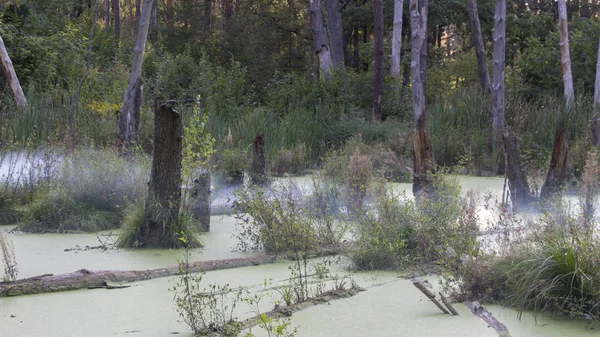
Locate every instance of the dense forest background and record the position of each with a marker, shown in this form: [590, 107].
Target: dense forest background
[253, 67]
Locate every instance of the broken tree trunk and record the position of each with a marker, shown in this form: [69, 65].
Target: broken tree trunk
[423, 151]
[200, 196]
[129, 117]
[481, 312]
[258, 168]
[378, 51]
[517, 181]
[484, 75]
[322, 49]
[11, 77]
[565, 57]
[164, 188]
[557, 173]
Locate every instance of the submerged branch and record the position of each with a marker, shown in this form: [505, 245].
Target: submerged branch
[480, 311]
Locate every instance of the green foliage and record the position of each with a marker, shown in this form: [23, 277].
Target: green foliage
[290, 161]
[397, 231]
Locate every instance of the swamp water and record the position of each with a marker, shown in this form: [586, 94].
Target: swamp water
[390, 306]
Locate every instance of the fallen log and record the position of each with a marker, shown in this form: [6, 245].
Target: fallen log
[417, 282]
[480, 311]
[113, 279]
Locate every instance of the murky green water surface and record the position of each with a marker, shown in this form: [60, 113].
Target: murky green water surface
[390, 306]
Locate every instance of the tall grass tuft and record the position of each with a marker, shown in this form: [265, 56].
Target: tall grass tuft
[8, 258]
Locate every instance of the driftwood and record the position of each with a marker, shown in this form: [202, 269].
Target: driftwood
[112, 279]
[417, 282]
[480, 311]
[448, 305]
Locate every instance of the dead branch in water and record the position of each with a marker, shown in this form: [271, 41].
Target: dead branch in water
[480, 311]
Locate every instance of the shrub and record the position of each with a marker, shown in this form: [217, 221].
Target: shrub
[358, 179]
[290, 161]
[89, 194]
[231, 164]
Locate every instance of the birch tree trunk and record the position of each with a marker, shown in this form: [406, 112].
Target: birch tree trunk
[423, 151]
[130, 111]
[117, 14]
[565, 56]
[378, 71]
[336, 32]
[11, 77]
[596, 124]
[484, 75]
[397, 39]
[320, 39]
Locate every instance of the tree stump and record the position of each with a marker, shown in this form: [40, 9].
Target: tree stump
[200, 205]
[164, 188]
[517, 181]
[258, 167]
[555, 179]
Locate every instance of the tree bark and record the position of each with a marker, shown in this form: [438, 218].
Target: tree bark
[336, 33]
[424, 10]
[517, 181]
[11, 77]
[378, 71]
[484, 75]
[498, 104]
[258, 168]
[117, 14]
[227, 14]
[397, 39]
[107, 18]
[557, 172]
[320, 39]
[423, 151]
[596, 124]
[164, 187]
[565, 56]
[130, 111]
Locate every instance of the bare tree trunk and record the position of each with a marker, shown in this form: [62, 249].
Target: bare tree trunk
[484, 75]
[424, 10]
[130, 111]
[565, 56]
[596, 124]
[207, 15]
[517, 181]
[320, 39]
[11, 77]
[423, 152]
[227, 14]
[397, 39]
[378, 71]
[117, 14]
[498, 105]
[557, 172]
[107, 19]
[258, 168]
[164, 187]
[336, 32]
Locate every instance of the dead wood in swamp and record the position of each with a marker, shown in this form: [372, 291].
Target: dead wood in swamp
[113, 279]
[492, 322]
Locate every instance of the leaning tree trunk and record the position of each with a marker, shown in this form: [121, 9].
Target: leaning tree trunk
[164, 188]
[565, 56]
[596, 124]
[11, 77]
[397, 39]
[320, 39]
[557, 172]
[336, 33]
[378, 71]
[423, 151]
[484, 75]
[129, 118]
